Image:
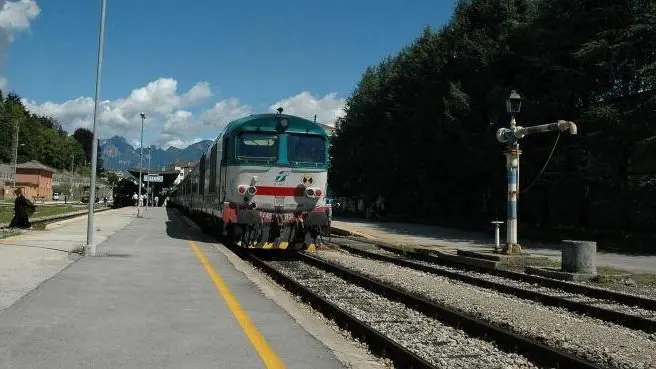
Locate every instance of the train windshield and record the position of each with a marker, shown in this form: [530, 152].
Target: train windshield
[257, 146]
[306, 149]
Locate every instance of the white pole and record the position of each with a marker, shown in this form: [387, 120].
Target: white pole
[143, 116]
[16, 156]
[150, 151]
[90, 248]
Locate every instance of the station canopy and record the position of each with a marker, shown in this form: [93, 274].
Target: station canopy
[167, 177]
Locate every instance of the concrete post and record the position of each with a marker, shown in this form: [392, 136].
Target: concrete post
[579, 257]
[497, 236]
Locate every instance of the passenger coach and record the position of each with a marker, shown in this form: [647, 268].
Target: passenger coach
[262, 183]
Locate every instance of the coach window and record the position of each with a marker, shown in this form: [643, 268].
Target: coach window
[257, 146]
[306, 149]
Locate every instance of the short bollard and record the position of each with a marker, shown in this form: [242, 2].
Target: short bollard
[497, 238]
[579, 257]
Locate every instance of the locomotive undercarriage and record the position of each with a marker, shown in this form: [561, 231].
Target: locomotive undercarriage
[275, 231]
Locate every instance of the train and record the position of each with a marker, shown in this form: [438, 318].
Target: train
[262, 183]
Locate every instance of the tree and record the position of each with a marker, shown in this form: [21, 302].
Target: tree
[85, 138]
[112, 179]
[420, 125]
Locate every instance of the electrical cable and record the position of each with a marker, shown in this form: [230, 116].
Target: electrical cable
[545, 164]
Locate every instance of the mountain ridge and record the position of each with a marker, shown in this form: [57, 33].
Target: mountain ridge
[118, 154]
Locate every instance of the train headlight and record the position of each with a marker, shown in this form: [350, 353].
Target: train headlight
[313, 192]
[309, 192]
[242, 189]
[252, 190]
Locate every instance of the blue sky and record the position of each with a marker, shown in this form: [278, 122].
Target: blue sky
[192, 66]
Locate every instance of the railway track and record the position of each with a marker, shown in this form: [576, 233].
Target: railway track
[408, 328]
[631, 311]
[56, 218]
[571, 287]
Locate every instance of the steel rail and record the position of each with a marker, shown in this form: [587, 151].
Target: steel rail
[627, 320]
[504, 338]
[57, 218]
[589, 291]
[377, 342]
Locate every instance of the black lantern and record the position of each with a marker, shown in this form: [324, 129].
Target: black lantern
[282, 121]
[514, 103]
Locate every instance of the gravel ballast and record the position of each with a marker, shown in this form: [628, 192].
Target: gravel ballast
[441, 345]
[598, 302]
[594, 340]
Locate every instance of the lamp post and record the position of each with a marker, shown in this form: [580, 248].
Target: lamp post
[150, 151]
[513, 106]
[143, 116]
[16, 162]
[90, 248]
[510, 136]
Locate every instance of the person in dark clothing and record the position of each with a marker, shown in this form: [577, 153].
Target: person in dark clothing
[22, 209]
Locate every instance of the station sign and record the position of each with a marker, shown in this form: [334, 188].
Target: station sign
[153, 178]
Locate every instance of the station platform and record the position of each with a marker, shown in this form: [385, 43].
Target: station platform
[159, 294]
[450, 240]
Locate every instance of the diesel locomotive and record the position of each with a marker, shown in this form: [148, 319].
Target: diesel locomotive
[262, 184]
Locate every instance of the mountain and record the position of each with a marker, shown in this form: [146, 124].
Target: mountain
[117, 153]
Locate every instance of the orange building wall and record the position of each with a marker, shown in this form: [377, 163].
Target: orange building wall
[33, 182]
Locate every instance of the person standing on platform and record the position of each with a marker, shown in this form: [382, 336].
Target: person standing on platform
[22, 209]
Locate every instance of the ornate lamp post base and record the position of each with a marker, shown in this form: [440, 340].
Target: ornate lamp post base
[511, 249]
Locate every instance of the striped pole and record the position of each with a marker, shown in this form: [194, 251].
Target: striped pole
[512, 163]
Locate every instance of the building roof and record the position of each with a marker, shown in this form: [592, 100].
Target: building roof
[182, 163]
[33, 164]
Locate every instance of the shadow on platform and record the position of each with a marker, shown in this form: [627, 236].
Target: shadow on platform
[177, 228]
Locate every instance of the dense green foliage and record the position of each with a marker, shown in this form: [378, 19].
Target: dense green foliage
[40, 138]
[420, 127]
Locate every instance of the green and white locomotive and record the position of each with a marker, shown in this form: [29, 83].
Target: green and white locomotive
[262, 183]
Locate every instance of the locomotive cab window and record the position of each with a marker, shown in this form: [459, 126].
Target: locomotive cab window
[257, 146]
[306, 149]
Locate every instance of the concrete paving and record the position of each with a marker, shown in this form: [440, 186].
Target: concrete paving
[28, 259]
[147, 302]
[446, 238]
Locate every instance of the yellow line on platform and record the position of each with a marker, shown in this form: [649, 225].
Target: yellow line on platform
[268, 356]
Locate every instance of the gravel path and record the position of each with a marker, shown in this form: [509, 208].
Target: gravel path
[597, 341]
[441, 345]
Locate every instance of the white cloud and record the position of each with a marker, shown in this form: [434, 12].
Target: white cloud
[17, 15]
[170, 119]
[181, 144]
[158, 100]
[224, 112]
[327, 109]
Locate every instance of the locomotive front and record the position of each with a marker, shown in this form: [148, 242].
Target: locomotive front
[276, 182]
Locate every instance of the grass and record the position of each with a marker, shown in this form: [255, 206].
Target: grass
[607, 276]
[4, 233]
[7, 212]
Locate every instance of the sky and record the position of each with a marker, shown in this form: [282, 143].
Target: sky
[193, 67]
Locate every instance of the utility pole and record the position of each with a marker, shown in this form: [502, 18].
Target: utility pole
[16, 155]
[90, 248]
[148, 193]
[510, 137]
[70, 181]
[143, 116]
